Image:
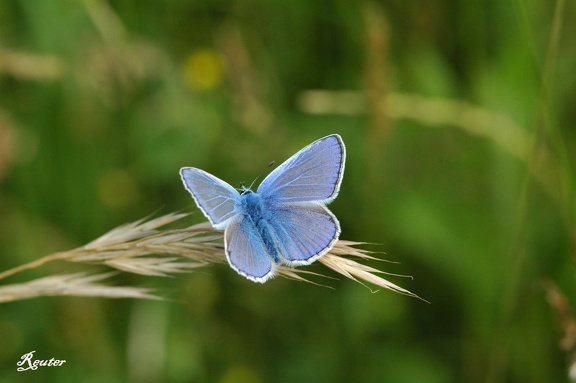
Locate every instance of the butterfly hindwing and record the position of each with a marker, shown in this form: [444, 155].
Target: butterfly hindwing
[246, 252]
[214, 197]
[312, 174]
[303, 232]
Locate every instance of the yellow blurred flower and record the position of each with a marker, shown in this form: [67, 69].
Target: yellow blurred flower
[203, 69]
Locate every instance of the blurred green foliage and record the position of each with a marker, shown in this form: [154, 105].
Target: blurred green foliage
[102, 102]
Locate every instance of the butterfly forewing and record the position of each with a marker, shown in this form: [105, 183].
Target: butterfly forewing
[312, 174]
[303, 233]
[246, 252]
[214, 197]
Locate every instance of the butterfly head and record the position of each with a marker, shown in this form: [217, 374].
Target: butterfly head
[245, 189]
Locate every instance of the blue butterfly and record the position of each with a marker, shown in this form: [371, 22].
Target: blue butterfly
[286, 220]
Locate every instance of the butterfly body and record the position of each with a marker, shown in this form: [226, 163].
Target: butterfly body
[257, 216]
[285, 221]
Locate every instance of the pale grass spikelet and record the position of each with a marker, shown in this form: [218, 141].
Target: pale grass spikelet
[77, 284]
[145, 247]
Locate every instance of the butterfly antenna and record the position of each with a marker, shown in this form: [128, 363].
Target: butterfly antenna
[260, 175]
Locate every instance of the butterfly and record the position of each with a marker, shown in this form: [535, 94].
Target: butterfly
[285, 221]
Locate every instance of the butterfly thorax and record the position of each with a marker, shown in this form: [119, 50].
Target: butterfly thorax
[255, 212]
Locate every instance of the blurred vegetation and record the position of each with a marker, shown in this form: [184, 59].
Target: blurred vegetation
[459, 123]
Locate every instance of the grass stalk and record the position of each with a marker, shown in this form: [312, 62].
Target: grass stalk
[146, 247]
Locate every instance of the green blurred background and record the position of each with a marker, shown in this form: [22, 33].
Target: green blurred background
[458, 118]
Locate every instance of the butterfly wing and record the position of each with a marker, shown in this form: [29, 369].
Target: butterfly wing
[303, 232]
[214, 197]
[246, 252]
[312, 174]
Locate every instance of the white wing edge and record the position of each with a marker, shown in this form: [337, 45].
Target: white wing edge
[338, 182]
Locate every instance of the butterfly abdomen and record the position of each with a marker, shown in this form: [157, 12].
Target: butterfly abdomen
[255, 212]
